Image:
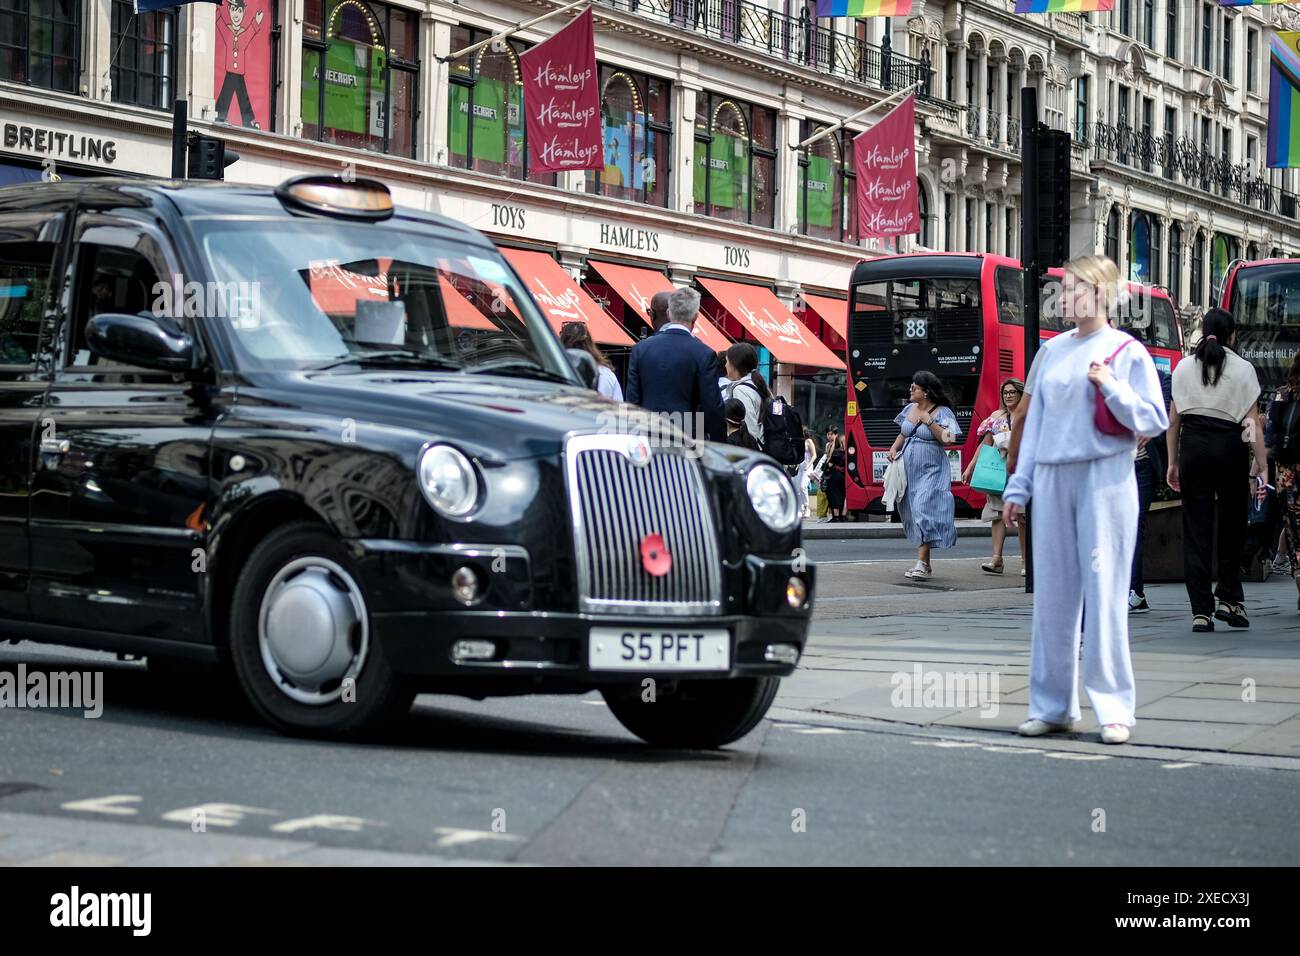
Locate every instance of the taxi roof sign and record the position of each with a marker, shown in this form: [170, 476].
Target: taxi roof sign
[366, 199]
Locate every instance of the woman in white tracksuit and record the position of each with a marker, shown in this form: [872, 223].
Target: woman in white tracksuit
[1085, 505]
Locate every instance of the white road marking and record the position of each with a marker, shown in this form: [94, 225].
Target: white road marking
[1013, 750]
[110, 804]
[1073, 756]
[454, 836]
[944, 743]
[217, 814]
[819, 730]
[1176, 766]
[326, 821]
[595, 703]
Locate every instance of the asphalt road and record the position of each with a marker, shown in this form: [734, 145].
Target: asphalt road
[558, 781]
[825, 550]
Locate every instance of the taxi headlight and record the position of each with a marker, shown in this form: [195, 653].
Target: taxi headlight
[772, 496]
[448, 481]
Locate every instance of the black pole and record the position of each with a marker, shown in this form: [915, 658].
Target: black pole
[1030, 258]
[180, 120]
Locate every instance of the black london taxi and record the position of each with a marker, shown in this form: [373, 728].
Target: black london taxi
[334, 446]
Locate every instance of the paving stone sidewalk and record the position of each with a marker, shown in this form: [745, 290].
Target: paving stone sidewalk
[1236, 691]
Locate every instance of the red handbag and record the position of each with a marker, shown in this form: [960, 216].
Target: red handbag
[1102, 416]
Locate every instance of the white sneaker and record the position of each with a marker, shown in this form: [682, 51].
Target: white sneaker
[918, 572]
[1137, 604]
[1037, 728]
[1114, 734]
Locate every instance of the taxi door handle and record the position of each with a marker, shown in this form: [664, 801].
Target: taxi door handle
[55, 446]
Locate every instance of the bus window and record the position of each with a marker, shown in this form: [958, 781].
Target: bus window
[1010, 285]
[1051, 311]
[1165, 324]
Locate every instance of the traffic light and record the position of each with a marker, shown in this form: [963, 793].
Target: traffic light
[208, 157]
[1053, 196]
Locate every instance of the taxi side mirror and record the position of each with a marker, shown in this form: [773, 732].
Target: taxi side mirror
[141, 340]
[584, 365]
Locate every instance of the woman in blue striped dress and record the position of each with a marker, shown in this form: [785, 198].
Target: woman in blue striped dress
[927, 425]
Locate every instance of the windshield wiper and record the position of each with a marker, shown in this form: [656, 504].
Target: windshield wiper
[396, 357]
[519, 369]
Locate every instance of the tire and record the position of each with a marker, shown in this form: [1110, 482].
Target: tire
[695, 715]
[297, 599]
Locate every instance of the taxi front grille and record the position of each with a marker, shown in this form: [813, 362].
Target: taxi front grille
[616, 504]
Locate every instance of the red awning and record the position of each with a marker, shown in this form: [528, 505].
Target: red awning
[764, 316]
[637, 286]
[834, 312]
[560, 299]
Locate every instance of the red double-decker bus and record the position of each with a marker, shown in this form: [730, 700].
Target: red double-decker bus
[961, 316]
[1264, 299]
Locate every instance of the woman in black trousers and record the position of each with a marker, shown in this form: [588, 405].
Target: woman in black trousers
[833, 478]
[1214, 416]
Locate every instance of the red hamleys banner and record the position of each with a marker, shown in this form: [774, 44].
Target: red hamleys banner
[885, 159]
[562, 100]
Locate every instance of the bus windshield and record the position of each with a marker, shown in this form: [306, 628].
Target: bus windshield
[1265, 305]
[925, 310]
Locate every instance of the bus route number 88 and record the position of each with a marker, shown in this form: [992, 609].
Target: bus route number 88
[915, 328]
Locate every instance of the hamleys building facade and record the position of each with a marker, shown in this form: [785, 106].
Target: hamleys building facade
[702, 104]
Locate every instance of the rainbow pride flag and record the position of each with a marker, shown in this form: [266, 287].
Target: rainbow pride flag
[1250, 3]
[1063, 6]
[863, 8]
[1284, 101]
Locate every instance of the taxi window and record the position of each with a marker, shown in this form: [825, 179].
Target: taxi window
[111, 279]
[25, 269]
[322, 294]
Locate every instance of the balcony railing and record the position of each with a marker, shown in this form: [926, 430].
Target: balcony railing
[795, 39]
[1182, 160]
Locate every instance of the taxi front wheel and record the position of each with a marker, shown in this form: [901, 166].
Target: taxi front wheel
[694, 714]
[301, 643]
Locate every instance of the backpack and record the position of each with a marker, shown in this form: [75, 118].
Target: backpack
[782, 431]
[782, 428]
[1284, 417]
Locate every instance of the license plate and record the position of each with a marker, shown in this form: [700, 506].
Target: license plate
[658, 649]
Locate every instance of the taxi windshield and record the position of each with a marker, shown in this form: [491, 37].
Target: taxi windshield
[320, 294]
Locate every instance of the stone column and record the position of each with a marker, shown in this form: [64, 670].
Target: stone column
[788, 126]
[782, 377]
[981, 91]
[682, 183]
[959, 84]
[96, 70]
[198, 60]
[1003, 78]
[435, 137]
[681, 274]
[959, 220]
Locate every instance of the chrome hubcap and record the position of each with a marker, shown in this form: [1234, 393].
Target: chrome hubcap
[313, 630]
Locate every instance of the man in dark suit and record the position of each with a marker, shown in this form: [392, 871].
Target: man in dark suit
[674, 372]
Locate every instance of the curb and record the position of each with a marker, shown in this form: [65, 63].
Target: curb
[883, 529]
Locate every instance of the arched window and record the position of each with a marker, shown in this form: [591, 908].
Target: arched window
[735, 160]
[926, 235]
[485, 124]
[1139, 248]
[1222, 251]
[1112, 234]
[1197, 272]
[1174, 280]
[359, 76]
[636, 138]
[821, 187]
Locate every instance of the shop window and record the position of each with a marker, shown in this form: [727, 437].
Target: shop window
[40, 43]
[735, 160]
[246, 61]
[360, 75]
[821, 186]
[1197, 294]
[486, 117]
[1112, 234]
[144, 60]
[1223, 250]
[635, 110]
[926, 235]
